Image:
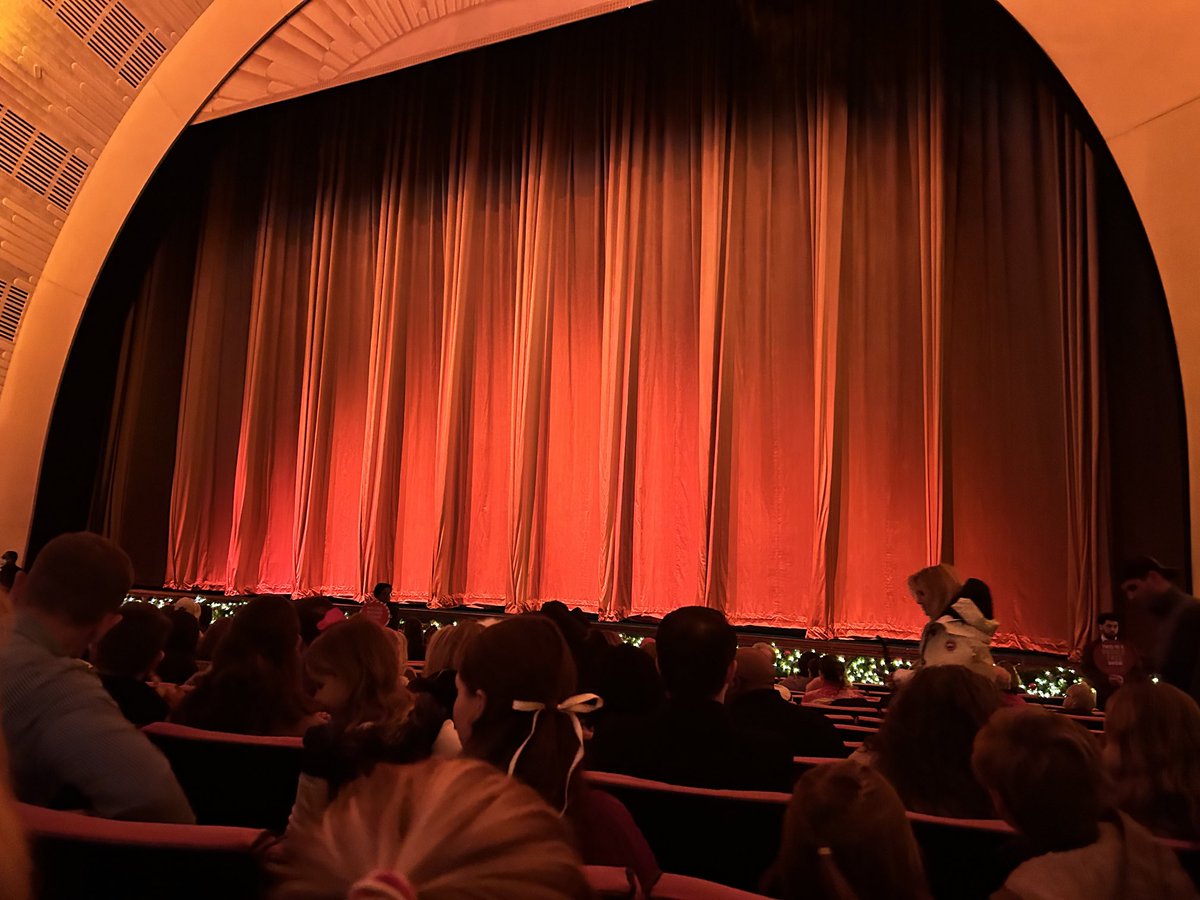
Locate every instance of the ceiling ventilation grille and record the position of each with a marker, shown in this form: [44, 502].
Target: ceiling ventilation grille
[114, 33]
[38, 161]
[12, 307]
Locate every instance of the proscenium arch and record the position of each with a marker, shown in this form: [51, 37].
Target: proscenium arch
[1129, 66]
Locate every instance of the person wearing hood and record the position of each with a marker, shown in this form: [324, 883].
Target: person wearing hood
[960, 625]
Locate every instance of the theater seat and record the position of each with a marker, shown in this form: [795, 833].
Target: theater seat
[689, 828]
[82, 856]
[684, 887]
[232, 779]
[612, 882]
[965, 858]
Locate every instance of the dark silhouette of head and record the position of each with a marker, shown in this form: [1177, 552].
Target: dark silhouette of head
[133, 646]
[696, 649]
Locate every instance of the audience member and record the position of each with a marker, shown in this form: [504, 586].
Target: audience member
[126, 656]
[831, 683]
[14, 850]
[691, 740]
[8, 570]
[1108, 662]
[960, 632]
[316, 614]
[846, 837]
[445, 649]
[415, 635]
[1176, 658]
[1152, 748]
[798, 682]
[440, 829]
[69, 744]
[254, 685]
[355, 671]
[924, 745]
[1046, 779]
[627, 678]
[517, 709]
[179, 655]
[755, 705]
[1079, 698]
[207, 648]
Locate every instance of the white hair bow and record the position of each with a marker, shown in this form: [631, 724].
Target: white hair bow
[382, 884]
[573, 707]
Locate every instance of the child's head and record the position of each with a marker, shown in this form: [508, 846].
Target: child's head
[436, 830]
[1045, 776]
[846, 835]
[355, 669]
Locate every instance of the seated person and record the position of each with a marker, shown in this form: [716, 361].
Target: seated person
[126, 656]
[1152, 750]
[254, 685]
[517, 709]
[846, 835]
[69, 745]
[924, 745]
[441, 828]
[627, 678]
[754, 704]
[831, 683]
[1079, 699]
[1046, 779]
[692, 740]
[797, 682]
[179, 655]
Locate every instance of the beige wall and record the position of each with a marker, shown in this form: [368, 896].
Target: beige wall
[1133, 65]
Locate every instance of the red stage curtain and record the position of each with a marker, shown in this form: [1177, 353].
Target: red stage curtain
[657, 310]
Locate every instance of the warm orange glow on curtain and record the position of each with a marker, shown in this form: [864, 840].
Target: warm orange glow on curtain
[644, 313]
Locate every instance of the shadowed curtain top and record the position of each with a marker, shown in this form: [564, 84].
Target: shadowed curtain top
[682, 305]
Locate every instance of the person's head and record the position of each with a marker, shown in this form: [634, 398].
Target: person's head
[755, 672]
[934, 588]
[382, 592]
[1144, 579]
[133, 646]
[254, 685]
[924, 744]
[766, 650]
[832, 671]
[1152, 749]
[437, 830]
[806, 659]
[627, 678]
[76, 587]
[446, 647]
[1110, 626]
[509, 672]
[1079, 697]
[312, 612]
[213, 638]
[355, 670]
[696, 650]
[846, 835]
[814, 666]
[978, 593]
[185, 633]
[1044, 775]
[9, 558]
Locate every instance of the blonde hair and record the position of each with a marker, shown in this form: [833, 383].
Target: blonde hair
[15, 868]
[846, 837]
[452, 829]
[367, 658]
[448, 645]
[1152, 735]
[940, 586]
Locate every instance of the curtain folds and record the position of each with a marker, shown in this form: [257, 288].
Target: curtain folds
[676, 309]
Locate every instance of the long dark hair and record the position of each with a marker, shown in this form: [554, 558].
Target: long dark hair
[924, 745]
[524, 658]
[254, 686]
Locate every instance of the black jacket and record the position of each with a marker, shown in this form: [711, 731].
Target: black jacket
[806, 732]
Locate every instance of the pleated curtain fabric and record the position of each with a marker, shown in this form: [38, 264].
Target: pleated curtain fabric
[656, 315]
